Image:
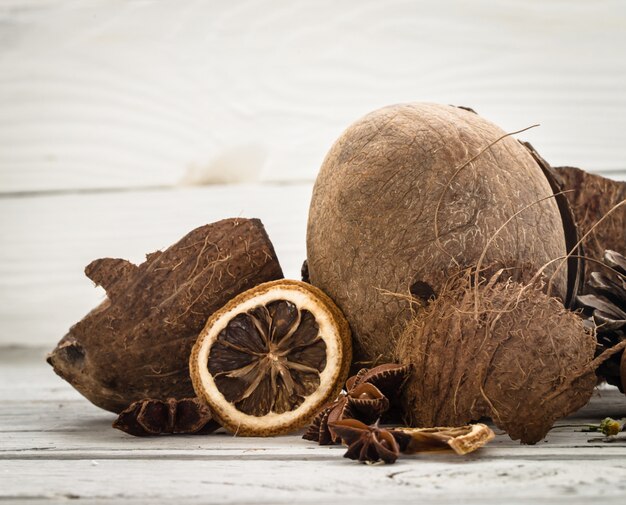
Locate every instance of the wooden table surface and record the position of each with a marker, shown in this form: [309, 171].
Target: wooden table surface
[56, 446]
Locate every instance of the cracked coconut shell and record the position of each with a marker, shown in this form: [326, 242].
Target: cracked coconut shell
[136, 344]
[591, 197]
[409, 195]
[505, 351]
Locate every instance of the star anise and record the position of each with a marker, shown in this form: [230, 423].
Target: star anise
[366, 399]
[370, 444]
[157, 417]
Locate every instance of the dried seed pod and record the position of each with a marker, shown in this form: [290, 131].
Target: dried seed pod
[363, 400]
[136, 344]
[502, 350]
[370, 444]
[157, 417]
[410, 194]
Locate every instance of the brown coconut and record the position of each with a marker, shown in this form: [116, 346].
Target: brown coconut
[408, 196]
[136, 344]
[504, 351]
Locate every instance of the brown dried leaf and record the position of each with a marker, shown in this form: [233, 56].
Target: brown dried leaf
[462, 440]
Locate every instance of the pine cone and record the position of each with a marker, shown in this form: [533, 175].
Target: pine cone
[605, 308]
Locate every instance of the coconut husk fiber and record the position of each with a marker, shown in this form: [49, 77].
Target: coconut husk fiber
[136, 344]
[502, 350]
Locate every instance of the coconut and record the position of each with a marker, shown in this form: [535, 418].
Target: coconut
[135, 345]
[501, 350]
[407, 197]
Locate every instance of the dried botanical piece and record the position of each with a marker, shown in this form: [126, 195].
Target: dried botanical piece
[591, 197]
[412, 193]
[605, 308]
[366, 399]
[575, 261]
[610, 427]
[501, 350]
[304, 271]
[161, 417]
[268, 359]
[370, 444]
[136, 344]
[462, 440]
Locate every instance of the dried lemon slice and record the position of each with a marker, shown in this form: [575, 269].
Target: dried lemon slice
[271, 357]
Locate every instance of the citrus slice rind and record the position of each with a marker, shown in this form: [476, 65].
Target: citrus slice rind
[270, 358]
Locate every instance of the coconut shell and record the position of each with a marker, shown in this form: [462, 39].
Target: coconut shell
[515, 355]
[576, 252]
[591, 196]
[136, 344]
[409, 195]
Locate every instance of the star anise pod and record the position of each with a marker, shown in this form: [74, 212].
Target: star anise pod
[605, 306]
[370, 444]
[366, 399]
[157, 417]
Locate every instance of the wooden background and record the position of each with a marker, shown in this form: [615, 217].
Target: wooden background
[124, 123]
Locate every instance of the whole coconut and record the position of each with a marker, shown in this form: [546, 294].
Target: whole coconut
[408, 196]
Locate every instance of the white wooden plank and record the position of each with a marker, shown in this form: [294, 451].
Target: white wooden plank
[104, 94]
[432, 480]
[47, 242]
[54, 449]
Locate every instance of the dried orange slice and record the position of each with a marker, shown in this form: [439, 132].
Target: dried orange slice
[271, 358]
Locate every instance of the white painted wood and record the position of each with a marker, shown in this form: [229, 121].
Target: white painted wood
[56, 446]
[270, 480]
[110, 93]
[48, 240]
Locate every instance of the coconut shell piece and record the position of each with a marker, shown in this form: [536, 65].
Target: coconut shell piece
[136, 344]
[409, 195]
[576, 253]
[502, 350]
[591, 196]
[462, 440]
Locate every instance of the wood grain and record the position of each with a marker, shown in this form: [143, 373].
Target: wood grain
[55, 446]
[107, 94]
